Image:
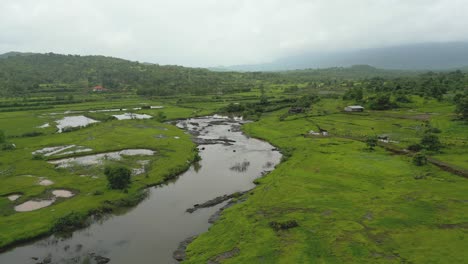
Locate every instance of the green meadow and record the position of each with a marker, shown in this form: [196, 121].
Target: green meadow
[350, 204]
[332, 199]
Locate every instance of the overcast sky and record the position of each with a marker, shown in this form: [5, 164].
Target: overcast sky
[223, 32]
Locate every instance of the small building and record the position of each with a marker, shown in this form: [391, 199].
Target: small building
[99, 88]
[354, 108]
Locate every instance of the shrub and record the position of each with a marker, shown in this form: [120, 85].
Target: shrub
[69, 222]
[371, 142]
[118, 176]
[419, 159]
[431, 142]
[283, 225]
[381, 102]
[161, 117]
[8, 146]
[197, 157]
[38, 157]
[70, 129]
[32, 134]
[415, 147]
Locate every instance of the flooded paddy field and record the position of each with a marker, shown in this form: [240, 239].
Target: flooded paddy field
[152, 231]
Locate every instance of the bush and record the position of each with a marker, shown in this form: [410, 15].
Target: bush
[161, 117]
[419, 159]
[415, 147]
[371, 142]
[69, 222]
[38, 157]
[118, 177]
[234, 108]
[431, 142]
[381, 102]
[32, 134]
[197, 157]
[8, 146]
[283, 225]
[70, 129]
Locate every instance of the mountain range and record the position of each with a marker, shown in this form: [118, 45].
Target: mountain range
[423, 56]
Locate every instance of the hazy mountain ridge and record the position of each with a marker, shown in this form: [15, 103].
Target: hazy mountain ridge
[424, 56]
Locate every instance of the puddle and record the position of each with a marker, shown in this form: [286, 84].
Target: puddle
[127, 116]
[142, 169]
[150, 107]
[62, 193]
[44, 125]
[74, 121]
[33, 205]
[14, 197]
[45, 182]
[108, 110]
[99, 158]
[60, 150]
[156, 226]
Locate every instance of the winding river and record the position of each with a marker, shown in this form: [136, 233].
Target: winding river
[151, 231]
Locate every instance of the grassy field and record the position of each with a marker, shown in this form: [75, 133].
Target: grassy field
[350, 204]
[20, 171]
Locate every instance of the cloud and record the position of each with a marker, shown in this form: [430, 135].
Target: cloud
[223, 32]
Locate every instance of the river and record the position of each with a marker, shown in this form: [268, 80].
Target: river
[151, 231]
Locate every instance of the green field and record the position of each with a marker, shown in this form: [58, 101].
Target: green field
[351, 204]
[331, 200]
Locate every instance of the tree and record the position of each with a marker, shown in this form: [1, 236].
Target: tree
[381, 102]
[307, 100]
[431, 142]
[462, 107]
[371, 142]
[419, 159]
[118, 176]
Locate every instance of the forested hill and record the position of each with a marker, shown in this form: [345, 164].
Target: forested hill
[20, 74]
[26, 73]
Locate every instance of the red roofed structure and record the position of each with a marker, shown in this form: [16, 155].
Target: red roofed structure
[99, 88]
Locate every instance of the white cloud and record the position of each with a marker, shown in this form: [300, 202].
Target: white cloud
[216, 32]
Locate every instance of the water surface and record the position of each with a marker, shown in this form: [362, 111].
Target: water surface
[150, 232]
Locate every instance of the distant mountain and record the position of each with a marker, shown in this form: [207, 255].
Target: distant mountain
[14, 53]
[425, 56]
[23, 73]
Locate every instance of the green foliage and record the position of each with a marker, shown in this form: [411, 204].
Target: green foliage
[197, 158]
[118, 176]
[431, 142]
[356, 94]
[32, 134]
[462, 107]
[70, 222]
[7, 146]
[234, 108]
[380, 102]
[306, 101]
[419, 159]
[277, 226]
[2, 137]
[371, 142]
[415, 147]
[161, 116]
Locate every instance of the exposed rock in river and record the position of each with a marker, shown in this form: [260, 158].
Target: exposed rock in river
[179, 254]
